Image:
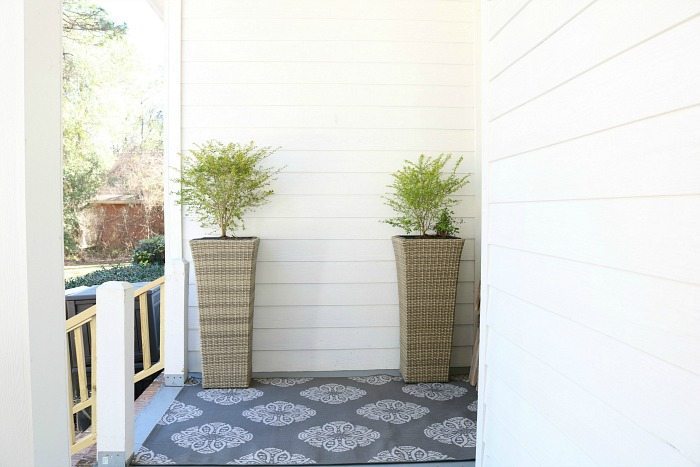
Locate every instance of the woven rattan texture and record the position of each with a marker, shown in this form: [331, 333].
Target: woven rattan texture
[225, 272]
[427, 271]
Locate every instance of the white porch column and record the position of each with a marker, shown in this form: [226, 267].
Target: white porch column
[176, 309]
[176, 268]
[34, 427]
[115, 373]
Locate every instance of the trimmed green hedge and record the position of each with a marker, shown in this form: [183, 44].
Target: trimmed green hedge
[131, 273]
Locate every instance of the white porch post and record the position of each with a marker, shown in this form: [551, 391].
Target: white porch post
[176, 268]
[115, 373]
[34, 427]
[176, 285]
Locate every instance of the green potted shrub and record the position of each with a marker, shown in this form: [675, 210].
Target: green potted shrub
[220, 183]
[427, 264]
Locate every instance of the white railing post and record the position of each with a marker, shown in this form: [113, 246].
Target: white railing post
[176, 326]
[115, 373]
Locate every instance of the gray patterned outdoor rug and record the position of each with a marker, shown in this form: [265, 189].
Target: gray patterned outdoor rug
[283, 421]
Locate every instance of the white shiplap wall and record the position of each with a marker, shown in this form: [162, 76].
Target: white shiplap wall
[348, 89]
[591, 240]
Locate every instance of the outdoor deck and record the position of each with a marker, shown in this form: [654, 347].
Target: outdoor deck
[250, 422]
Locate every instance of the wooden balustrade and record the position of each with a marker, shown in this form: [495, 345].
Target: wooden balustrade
[141, 295]
[81, 334]
[82, 403]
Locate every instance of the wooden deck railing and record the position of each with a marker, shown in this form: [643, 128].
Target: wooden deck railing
[81, 332]
[80, 329]
[141, 295]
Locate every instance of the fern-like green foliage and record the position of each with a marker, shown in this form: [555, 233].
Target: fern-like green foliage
[422, 191]
[221, 182]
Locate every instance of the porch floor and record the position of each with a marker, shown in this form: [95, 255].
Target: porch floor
[320, 420]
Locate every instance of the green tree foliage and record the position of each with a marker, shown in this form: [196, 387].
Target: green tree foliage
[82, 177]
[87, 30]
[112, 117]
[221, 182]
[422, 195]
[88, 23]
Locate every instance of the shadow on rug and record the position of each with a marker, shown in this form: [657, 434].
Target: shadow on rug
[284, 421]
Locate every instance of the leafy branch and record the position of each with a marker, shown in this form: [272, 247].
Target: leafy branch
[422, 195]
[221, 182]
[89, 23]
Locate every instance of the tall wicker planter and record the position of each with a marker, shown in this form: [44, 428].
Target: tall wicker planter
[427, 270]
[225, 270]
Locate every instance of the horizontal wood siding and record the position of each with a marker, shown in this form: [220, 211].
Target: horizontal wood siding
[348, 89]
[591, 328]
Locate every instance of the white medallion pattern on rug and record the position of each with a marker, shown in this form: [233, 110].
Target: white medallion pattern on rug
[435, 391]
[333, 393]
[409, 454]
[211, 437]
[272, 456]
[459, 431]
[317, 421]
[393, 411]
[229, 396]
[339, 436]
[146, 456]
[279, 413]
[376, 380]
[283, 382]
[179, 412]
